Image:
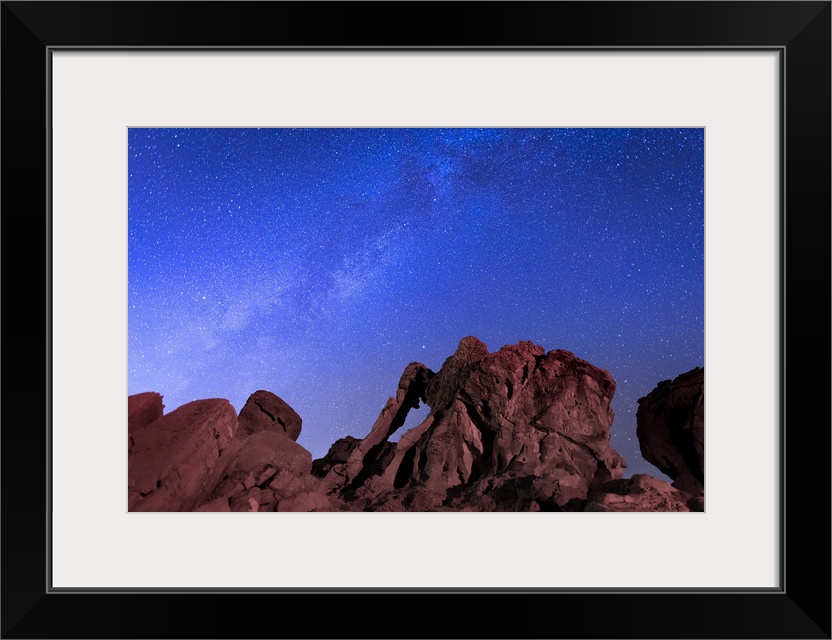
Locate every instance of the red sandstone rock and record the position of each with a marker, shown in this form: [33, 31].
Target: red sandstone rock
[143, 409]
[286, 484]
[455, 372]
[639, 493]
[520, 429]
[249, 500]
[218, 505]
[338, 453]
[514, 429]
[267, 459]
[671, 429]
[364, 461]
[264, 411]
[520, 413]
[271, 449]
[171, 460]
[307, 501]
[248, 505]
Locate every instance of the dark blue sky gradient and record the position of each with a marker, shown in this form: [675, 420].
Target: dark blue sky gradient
[318, 263]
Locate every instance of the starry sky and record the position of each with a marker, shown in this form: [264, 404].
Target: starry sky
[318, 263]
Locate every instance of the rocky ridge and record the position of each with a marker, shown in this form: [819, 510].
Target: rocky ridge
[518, 429]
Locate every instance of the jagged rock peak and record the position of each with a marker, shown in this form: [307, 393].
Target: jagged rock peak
[454, 372]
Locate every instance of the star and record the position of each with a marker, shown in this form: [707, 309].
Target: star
[332, 256]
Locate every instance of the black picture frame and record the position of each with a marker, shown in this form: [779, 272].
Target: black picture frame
[800, 608]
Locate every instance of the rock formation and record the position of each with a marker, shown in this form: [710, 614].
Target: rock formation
[518, 429]
[671, 429]
[264, 411]
[261, 470]
[171, 460]
[201, 457]
[338, 453]
[366, 459]
[518, 417]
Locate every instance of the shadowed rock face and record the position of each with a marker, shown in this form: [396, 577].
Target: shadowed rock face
[640, 493]
[671, 429]
[367, 459]
[264, 411]
[338, 453]
[519, 429]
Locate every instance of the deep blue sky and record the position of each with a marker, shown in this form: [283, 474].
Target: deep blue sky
[318, 263]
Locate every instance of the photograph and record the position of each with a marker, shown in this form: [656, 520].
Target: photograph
[416, 319]
[319, 262]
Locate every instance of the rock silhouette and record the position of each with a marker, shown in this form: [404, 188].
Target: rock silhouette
[518, 429]
[671, 429]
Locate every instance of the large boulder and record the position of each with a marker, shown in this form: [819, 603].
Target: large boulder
[264, 411]
[171, 460]
[671, 429]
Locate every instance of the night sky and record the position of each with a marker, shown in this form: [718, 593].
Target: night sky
[317, 263]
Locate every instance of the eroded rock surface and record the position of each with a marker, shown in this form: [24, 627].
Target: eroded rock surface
[367, 458]
[262, 470]
[264, 411]
[640, 493]
[671, 429]
[171, 460]
[518, 419]
[338, 453]
[518, 429]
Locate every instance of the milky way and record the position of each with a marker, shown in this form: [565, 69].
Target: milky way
[317, 263]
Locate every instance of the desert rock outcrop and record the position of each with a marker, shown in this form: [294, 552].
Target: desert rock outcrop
[514, 417]
[368, 456]
[671, 429]
[518, 429]
[171, 460]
